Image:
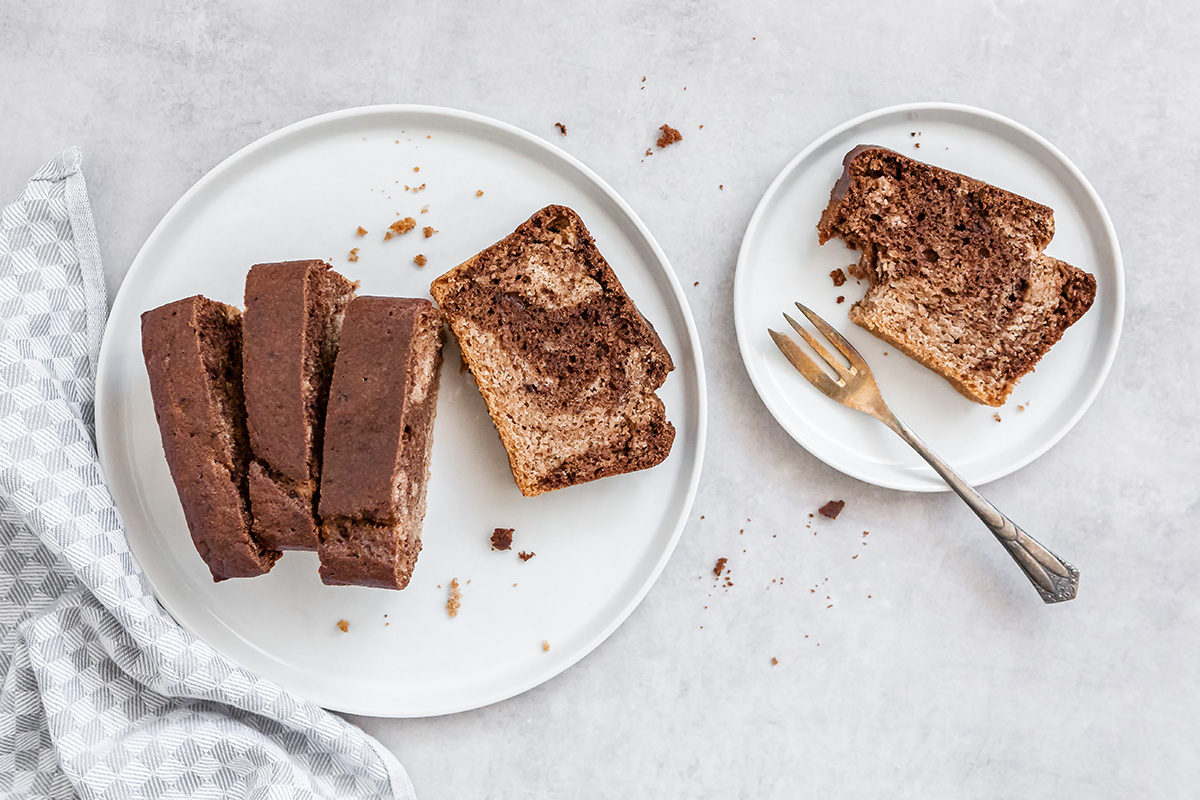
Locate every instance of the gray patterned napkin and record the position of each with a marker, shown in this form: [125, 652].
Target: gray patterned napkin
[104, 696]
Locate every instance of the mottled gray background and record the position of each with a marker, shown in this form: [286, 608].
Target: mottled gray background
[952, 680]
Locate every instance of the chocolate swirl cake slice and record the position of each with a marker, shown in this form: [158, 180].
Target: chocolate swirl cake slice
[567, 364]
[958, 279]
[290, 334]
[378, 436]
[193, 353]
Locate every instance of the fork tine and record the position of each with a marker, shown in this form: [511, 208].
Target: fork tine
[840, 342]
[805, 365]
[830, 359]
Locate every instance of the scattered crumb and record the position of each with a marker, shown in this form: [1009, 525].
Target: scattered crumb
[361, 231]
[832, 508]
[721, 187]
[428, 231]
[526, 556]
[648, 152]
[562, 128]
[917, 145]
[343, 626]
[838, 277]
[420, 260]
[502, 539]
[416, 169]
[455, 600]
[416, 189]
[545, 646]
[643, 79]
[885, 352]
[697, 283]
[866, 534]
[841, 299]
[996, 417]
[399, 227]
[669, 136]
[479, 193]
[774, 661]
[719, 567]
[1020, 408]
[854, 556]
[353, 255]
[424, 209]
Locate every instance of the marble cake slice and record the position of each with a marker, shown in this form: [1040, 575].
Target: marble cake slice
[958, 277]
[566, 362]
[378, 436]
[193, 354]
[290, 332]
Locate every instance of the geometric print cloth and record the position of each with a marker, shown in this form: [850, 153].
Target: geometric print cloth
[103, 695]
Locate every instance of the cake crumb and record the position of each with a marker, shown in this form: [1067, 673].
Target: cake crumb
[545, 646]
[838, 277]
[1020, 408]
[353, 255]
[400, 227]
[996, 416]
[774, 661]
[917, 145]
[669, 136]
[648, 152]
[416, 169]
[343, 626]
[526, 556]
[361, 231]
[454, 602]
[697, 283]
[420, 188]
[561, 127]
[425, 209]
[719, 567]
[428, 230]
[420, 260]
[502, 539]
[721, 187]
[841, 299]
[832, 508]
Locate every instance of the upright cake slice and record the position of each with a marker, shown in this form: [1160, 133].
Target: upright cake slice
[378, 435]
[566, 363]
[290, 336]
[958, 277]
[193, 353]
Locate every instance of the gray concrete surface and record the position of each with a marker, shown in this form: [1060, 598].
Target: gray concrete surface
[963, 688]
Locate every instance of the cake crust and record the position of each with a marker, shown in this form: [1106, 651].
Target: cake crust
[378, 437]
[192, 350]
[958, 277]
[291, 325]
[567, 364]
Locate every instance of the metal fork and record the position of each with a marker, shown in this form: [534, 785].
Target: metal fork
[1055, 579]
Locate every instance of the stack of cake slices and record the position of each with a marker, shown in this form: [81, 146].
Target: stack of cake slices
[306, 422]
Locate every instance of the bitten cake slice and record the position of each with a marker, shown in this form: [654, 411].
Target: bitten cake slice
[378, 435]
[290, 336]
[566, 363]
[958, 277]
[193, 352]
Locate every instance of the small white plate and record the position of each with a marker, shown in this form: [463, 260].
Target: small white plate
[301, 193]
[780, 262]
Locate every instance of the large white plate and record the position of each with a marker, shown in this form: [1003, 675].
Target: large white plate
[301, 193]
[780, 262]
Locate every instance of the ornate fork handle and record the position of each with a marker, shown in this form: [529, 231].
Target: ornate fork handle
[1055, 579]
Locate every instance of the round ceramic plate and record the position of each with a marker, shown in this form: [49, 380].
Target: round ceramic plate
[301, 193]
[781, 262]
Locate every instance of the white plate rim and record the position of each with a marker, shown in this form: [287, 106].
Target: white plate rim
[742, 269]
[105, 408]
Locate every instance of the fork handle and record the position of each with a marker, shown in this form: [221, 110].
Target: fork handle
[1055, 579]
